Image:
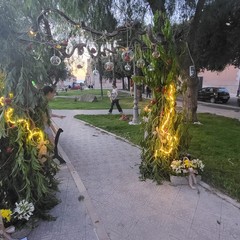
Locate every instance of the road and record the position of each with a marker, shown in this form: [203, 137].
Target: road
[228, 110]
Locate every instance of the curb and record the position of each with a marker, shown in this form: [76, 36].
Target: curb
[226, 198]
[99, 229]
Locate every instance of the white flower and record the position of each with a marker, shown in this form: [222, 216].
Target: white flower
[23, 210]
[180, 167]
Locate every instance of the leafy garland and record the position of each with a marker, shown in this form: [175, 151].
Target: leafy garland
[165, 134]
[27, 170]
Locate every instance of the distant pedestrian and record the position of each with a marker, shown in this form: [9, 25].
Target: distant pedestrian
[148, 92]
[113, 95]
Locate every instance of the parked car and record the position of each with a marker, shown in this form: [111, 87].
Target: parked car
[214, 94]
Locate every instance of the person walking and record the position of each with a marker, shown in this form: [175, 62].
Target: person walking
[148, 92]
[113, 95]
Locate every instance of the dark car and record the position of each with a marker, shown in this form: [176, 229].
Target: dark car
[214, 94]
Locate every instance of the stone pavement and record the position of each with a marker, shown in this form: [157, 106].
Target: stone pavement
[103, 198]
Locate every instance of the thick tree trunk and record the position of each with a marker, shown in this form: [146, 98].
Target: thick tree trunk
[190, 96]
[190, 103]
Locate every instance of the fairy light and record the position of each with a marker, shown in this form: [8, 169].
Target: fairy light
[32, 33]
[35, 135]
[1, 101]
[168, 139]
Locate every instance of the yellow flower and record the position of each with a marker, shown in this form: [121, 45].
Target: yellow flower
[187, 163]
[6, 214]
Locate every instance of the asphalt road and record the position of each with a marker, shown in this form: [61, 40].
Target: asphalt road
[227, 110]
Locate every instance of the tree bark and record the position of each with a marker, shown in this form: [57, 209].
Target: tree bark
[190, 103]
[190, 96]
[157, 5]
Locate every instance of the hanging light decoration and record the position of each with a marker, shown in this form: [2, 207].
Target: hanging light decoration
[140, 63]
[150, 67]
[55, 60]
[109, 66]
[95, 72]
[127, 67]
[93, 50]
[128, 55]
[156, 53]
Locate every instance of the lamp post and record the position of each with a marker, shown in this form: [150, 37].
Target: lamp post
[135, 120]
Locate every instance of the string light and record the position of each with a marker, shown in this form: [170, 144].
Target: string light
[1, 101]
[35, 135]
[32, 33]
[167, 137]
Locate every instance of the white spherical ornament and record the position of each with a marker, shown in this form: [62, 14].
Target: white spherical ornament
[95, 72]
[127, 67]
[109, 66]
[150, 67]
[140, 63]
[127, 56]
[55, 60]
[156, 54]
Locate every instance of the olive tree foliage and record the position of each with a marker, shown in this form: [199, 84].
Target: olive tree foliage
[131, 10]
[218, 42]
[25, 173]
[17, 60]
[25, 61]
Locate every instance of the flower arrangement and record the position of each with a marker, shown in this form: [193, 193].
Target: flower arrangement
[183, 167]
[19, 215]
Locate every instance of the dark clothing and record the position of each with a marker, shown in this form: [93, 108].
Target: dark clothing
[115, 101]
[148, 92]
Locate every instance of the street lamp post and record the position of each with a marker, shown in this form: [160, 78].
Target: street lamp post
[135, 119]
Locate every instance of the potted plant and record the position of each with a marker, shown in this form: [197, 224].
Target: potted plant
[18, 221]
[186, 171]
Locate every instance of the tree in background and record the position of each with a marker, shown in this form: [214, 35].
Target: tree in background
[217, 43]
[206, 33]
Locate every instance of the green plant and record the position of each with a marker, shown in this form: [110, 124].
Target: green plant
[166, 133]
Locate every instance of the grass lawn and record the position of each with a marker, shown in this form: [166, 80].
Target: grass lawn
[216, 142]
[66, 100]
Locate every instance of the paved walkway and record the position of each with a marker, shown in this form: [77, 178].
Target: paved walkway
[103, 198]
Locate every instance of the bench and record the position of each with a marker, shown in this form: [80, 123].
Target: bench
[56, 131]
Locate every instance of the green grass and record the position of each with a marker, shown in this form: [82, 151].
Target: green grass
[66, 100]
[216, 142]
[113, 124]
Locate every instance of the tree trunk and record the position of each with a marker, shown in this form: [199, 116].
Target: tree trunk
[123, 83]
[190, 103]
[190, 96]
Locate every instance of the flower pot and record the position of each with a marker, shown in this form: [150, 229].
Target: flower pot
[21, 233]
[182, 180]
